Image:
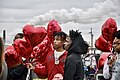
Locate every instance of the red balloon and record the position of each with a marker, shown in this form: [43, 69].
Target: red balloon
[23, 48]
[34, 35]
[102, 59]
[103, 45]
[109, 29]
[52, 28]
[41, 50]
[12, 58]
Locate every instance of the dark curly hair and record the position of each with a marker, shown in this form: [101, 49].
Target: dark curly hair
[63, 35]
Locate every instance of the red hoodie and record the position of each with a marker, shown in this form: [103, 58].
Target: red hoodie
[50, 67]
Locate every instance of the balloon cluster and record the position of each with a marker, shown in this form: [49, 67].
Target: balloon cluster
[35, 45]
[105, 41]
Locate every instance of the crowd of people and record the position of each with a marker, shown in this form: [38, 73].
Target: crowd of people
[53, 55]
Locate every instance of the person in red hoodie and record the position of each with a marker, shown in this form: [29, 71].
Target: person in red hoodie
[55, 59]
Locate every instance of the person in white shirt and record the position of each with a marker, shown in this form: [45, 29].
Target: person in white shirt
[114, 62]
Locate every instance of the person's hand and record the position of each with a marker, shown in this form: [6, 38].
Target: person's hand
[111, 60]
[58, 77]
[30, 66]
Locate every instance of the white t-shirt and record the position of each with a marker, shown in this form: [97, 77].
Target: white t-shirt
[57, 55]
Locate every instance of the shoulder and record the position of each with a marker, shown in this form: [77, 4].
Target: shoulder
[50, 52]
[65, 54]
[73, 58]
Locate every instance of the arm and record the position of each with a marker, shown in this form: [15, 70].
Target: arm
[106, 73]
[39, 69]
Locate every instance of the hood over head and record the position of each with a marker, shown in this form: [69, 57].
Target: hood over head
[78, 44]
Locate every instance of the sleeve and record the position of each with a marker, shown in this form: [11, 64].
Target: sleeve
[116, 70]
[69, 70]
[41, 71]
[106, 73]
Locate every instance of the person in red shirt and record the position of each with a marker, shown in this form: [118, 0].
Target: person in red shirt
[55, 59]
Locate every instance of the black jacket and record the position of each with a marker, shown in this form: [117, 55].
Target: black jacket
[17, 73]
[74, 66]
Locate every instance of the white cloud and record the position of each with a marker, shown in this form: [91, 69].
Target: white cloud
[31, 8]
[83, 16]
[100, 11]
